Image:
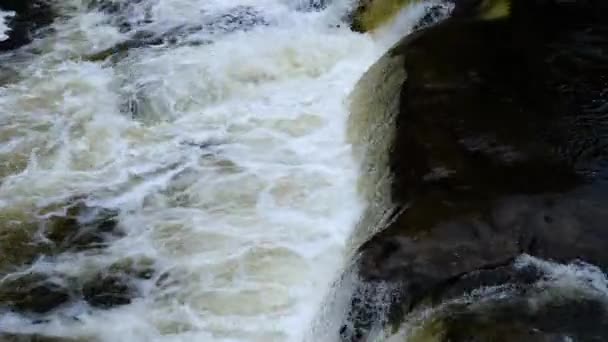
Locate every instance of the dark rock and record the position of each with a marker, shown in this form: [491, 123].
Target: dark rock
[82, 227]
[514, 319]
[33, 293]
[30, 16]
[33, 338]
[501, 148]
[108, 290]
[501, 275]
[115, 286]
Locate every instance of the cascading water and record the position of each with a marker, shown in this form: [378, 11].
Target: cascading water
[221, 144]
[215, 134]
[3, 27]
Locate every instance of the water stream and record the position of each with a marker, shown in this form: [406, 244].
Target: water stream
[224, 150]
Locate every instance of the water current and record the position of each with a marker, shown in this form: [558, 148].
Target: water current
[224, 149]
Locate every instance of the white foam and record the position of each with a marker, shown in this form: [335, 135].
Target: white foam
[4, 29]
[233, 174]
[570, 279]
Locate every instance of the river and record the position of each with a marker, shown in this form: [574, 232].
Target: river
[224, 150]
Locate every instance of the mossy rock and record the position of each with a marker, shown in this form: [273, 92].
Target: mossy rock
[19, 240]
[372, 13]
[28, 234]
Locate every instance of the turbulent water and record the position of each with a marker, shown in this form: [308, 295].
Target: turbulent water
[3, 27]
[225, 151]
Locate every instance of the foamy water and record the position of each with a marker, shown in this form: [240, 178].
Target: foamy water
[226, 152]
[228, 161]
[4, 29]
[560, 283]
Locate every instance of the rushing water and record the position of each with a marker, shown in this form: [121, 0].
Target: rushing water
[225, 151]
[3, 27]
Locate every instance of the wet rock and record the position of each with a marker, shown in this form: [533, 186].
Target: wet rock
[432, 15]
[33, 338]
[82, 227]
[371, 14]
[500, 148]
[33, 293]
[489, 277]
[515, 319]
[30, 16]
[141, 268]
[26, 237]
[18, 241]
[109, 289]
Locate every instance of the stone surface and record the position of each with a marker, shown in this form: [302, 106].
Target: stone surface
[15, 337]
[30, 16]
[500, 148]
[508, 320]
[109, 289]
[69, 227]
[81, 227]
[33, 293]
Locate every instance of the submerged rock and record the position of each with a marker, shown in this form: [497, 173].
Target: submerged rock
[26, 237]
[67, 228]
[40, 293]
[141, 268]
[18, 241]
[33, 293]
[108, 290]
[35, 338]
[82, 227]
[29, 16]
[240, 18]
[500, 148]
[116, 286]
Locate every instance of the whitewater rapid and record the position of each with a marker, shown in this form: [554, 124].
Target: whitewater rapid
[4, 29]
[228, 160]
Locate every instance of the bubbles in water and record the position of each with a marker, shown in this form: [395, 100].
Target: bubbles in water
[4, 29]
[222, 147]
